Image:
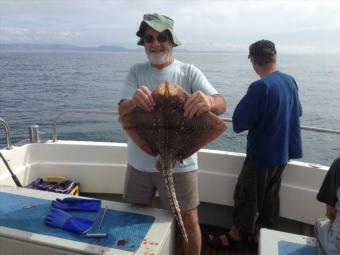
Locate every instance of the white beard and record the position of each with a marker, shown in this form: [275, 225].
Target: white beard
[158, 58]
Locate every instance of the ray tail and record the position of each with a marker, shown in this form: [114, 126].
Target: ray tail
[169, 183]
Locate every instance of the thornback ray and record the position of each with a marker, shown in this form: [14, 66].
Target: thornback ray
[166, 133]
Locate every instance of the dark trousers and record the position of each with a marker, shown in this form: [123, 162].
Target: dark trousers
[256, 197]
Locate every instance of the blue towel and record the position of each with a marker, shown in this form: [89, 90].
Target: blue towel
[122, 227]
[289, 248]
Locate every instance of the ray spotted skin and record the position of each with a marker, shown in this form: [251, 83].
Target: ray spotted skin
[167, 134]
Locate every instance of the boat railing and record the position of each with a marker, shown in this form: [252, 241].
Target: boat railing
[55, 121]
[227, 120]
[4, 124]
[316, 129]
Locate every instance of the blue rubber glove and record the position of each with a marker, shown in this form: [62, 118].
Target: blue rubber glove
[60, 219]
[77, 204]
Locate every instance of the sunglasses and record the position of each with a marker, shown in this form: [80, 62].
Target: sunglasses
[162, 38]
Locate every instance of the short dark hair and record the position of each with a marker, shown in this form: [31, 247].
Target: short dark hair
[263, 52]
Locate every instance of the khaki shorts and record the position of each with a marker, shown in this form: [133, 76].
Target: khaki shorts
[140, 188]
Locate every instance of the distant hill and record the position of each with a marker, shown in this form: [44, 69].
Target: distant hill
[102, 48]
[63, 47]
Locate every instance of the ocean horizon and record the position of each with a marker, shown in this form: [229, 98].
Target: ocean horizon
[35, 86]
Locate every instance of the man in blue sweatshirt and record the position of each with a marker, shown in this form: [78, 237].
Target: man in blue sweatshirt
[270, 111]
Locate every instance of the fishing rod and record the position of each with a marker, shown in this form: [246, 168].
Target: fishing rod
[14, 177]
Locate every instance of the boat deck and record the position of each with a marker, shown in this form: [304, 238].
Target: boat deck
[206, 250]
[283, 224]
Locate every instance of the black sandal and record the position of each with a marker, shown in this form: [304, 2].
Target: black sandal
[216, 242]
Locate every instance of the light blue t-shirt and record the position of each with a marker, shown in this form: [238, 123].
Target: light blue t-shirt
[189, 77]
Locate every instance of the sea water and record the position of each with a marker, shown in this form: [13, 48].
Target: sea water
[37, 85]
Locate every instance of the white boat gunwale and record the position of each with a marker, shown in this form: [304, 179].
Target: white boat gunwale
[88, 161]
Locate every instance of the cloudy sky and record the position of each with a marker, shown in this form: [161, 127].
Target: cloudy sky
[308, 26]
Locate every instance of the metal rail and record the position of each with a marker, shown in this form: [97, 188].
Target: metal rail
[228, 120]
[7, 131]
[322, 130]
[55, 121]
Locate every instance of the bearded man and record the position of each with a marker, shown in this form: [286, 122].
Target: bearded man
[143, 180]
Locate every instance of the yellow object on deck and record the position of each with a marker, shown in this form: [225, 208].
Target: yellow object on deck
[56, 183]
[59, 178]
[75, 191]
[55, 178]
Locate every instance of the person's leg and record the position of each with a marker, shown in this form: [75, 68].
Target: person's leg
[249, 194]
[321, 228]
[245, 200]
[245, 209]
[186, 189]
[138, 188]
[269, 205]
[191, 223]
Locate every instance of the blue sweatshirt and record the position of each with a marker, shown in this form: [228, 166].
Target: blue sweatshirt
[271, 111]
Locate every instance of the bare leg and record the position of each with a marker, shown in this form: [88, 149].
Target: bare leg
[191, 223]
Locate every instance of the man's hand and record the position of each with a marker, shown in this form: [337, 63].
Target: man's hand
[197, 104]
[143, 98]
[330, 212]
